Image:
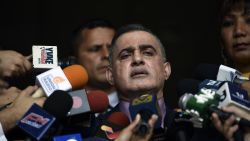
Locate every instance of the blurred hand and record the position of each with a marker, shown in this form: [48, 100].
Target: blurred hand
[13, 63]
[129, 133]
[9, 116]
[228, 128]
[246, 85]
[9, 95]
[25, 100]
[3, 85]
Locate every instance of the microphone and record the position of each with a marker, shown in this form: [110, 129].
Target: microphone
[58, 100]
[119, 118]
[37, 121]
[93, 102]
[72, 77]
[220, 73]
[44, 57]
[110, 128]
[230, 94]
[70, 137]
[146, 105]
[203, 104]
[98, 106]
[179, 126]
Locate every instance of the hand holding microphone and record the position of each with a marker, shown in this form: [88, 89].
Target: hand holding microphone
[13, 63]
[228, 128]
[130, 133]
[18, 107]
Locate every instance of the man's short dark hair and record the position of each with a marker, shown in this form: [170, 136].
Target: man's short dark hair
[131, 28]
[76, 38]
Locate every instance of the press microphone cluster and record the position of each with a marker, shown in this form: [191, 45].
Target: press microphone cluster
[210, 97]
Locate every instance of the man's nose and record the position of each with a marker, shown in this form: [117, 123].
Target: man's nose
[137, 59]
[105, 52]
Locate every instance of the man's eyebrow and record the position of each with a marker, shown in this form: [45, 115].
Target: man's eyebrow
[98, 46]
[128, 49]
[143, 47]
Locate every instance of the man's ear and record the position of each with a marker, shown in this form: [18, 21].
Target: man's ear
[109, 76]
[167, 70]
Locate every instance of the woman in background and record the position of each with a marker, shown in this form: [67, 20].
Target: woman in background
[235, 43]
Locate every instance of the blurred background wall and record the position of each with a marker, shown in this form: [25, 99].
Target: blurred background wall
[188, 29]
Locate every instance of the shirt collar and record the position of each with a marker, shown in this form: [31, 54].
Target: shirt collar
[113, 99]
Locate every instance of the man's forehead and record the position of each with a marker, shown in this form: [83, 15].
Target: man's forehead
[136, 39]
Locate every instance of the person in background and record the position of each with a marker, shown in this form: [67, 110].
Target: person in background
[235, 46]
[91, 42]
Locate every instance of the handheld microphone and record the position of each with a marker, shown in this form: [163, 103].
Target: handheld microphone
[70, 137]
[119, 118]
[179, 126]
[230, 94]
[72, 77]
[44, 57]
[204, 104]
[146, 105]
[93, 102]
[227, 92]
[37, 121]
[110, 129]
[98, 106]
[58, 104]
[220, 73]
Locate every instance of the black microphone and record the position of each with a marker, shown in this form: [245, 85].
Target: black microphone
[179, 126]
[42, 123]
[145, 105]
[58, 104]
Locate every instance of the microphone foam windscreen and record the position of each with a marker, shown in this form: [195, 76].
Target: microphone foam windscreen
[206, 71]
[187, 86]
[58, 104]
[119, 118]
[98, 101]
[77, 76]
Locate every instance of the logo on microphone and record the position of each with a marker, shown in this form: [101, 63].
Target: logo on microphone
[46, 55]
[58, 79]
[142, 99]
[35, 120]
[110, 134]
